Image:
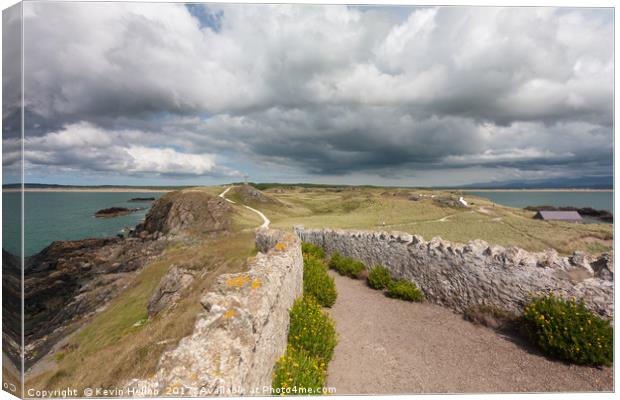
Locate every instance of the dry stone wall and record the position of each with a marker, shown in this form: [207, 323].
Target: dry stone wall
[242, 330]
[464, 275]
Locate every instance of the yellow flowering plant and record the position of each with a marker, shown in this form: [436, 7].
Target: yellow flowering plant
[566, 329]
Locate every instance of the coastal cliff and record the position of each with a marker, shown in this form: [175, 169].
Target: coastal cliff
[70, 280]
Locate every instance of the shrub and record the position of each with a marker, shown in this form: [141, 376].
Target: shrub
[296, 370]
[308, 249]
[404, 290]
[346, 266]
[567, 330]
[311, 329]
[318, 283]
[379, 278]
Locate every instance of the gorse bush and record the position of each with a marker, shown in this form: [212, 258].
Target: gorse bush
[299, 371]
[404, 290]
[311, 329]
[346, 266]
[312, 335]
[379, 278]
[310, 250]
[567, 330]
[318, 283]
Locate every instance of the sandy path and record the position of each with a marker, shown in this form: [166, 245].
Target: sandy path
[266, 221]
[392, 346]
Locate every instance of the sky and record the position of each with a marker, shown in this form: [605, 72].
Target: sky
[168, 93]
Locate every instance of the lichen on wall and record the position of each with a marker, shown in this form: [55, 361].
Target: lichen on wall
[242, 330]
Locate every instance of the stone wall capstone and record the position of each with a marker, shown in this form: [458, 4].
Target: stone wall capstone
[241, 332]
[464, 275]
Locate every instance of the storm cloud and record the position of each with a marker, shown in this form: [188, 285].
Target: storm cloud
[317, 93]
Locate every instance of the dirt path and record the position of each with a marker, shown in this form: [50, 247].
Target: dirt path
[266, 221]
[392, 346]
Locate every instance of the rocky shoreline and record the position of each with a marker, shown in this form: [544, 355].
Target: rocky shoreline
[69, 281]
[117, 212]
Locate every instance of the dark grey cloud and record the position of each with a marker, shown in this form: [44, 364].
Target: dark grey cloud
[319, 91]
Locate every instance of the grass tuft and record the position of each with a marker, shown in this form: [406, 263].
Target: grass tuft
[404, 290]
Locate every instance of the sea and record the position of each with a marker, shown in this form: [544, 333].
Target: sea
[599, 200]
[51, 216]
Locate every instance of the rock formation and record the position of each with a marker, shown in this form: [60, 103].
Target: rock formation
[170, 288]
[141, 199]
[69, 280]
[464, 275]
[186, 213]
[116, 211]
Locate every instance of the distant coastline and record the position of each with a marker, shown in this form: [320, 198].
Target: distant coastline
[138, 189]
[537, 190]
[93, 190]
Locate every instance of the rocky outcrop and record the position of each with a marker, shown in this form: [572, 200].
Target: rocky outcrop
[69, 280]
[465, 275]
[248, 194]
[116, 211]
[170, 289]
[186, 213]
[242, 330]
[11, 307]
[141, 199]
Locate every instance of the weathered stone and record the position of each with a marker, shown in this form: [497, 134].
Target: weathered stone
[241, 332]
[169, 290]
[461, 276]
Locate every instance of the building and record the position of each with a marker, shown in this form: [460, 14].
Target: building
[568, 216]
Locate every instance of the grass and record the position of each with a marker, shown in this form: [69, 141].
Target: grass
[317, 283]
[122, 339]
[379, 278]
[377, 209]
[346, 266]
[404, 290]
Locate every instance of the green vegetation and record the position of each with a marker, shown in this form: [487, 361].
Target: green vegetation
[379, 278]
[310, 250]
[312, 334]
[312, 329]
[404, 290]
[390, 209]
[317, 283]
[567, 330]
[297, 370]
[346, 266]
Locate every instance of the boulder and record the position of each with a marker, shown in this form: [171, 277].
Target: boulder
[169, 290]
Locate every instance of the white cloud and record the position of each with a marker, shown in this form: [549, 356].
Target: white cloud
[145, 88]
[83, 146]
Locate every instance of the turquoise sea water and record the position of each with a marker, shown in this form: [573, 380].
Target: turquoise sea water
[51, 216]
[519, 199]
